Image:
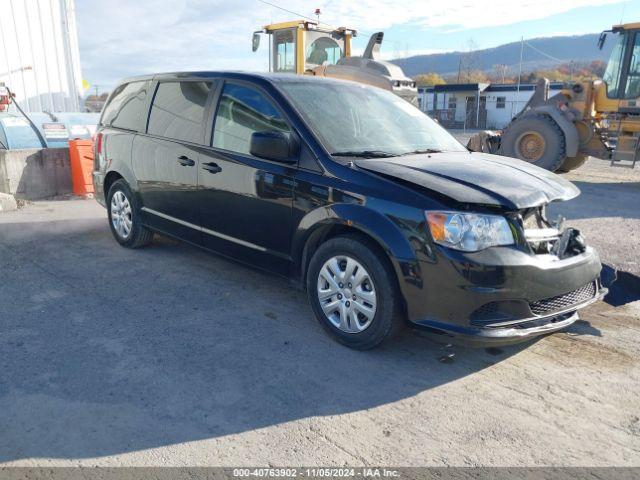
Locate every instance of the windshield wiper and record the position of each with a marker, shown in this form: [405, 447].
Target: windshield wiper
[422, 150]
[364, 154]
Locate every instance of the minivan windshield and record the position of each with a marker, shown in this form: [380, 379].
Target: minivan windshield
[353, 120]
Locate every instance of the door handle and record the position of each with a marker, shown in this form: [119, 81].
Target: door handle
[186, 161]
[212, 167]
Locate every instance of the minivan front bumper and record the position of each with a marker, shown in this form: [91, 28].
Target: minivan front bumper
[519, 331]
[504, 295]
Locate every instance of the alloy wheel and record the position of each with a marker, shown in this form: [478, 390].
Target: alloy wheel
[121, 214]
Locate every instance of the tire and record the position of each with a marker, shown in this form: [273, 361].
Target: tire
[571, 163]
[126, 212]
[536, 139]
[378, 290]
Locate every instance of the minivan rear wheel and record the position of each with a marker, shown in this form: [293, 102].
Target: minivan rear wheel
[353, 293]
[124, 217]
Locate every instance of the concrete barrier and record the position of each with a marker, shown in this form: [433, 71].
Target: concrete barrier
[7, 203]
[33, 174]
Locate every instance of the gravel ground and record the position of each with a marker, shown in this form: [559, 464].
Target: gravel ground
[170, 356]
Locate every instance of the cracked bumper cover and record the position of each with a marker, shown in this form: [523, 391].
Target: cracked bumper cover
[515, 284]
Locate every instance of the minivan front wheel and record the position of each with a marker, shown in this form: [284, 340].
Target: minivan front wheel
[353, 293]
[347, 294]
[124, 217]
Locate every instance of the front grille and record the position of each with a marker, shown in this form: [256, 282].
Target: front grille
[485, 312]
[564, 301]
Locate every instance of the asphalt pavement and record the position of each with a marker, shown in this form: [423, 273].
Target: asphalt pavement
[170, 356]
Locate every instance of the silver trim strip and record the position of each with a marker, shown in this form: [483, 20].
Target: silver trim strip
[205, 230]
[541, 234]
[600, 294]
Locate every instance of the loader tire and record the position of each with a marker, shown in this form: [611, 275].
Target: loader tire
[536, 139]
[571, 163]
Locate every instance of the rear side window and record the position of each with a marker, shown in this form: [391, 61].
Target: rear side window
[126, 107]
[242, 111]
[178, 110]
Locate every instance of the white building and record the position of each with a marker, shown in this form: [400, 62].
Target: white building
[39, 56]
[476, 105]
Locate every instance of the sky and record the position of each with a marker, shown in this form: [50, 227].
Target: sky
[120, 38]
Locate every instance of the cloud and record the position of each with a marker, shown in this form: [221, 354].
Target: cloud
[454, 14]
[120, 38]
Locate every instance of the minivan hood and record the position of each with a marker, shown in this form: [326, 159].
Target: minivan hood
[477, 178]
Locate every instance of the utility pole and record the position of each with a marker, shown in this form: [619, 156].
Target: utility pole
[571, 71]
[519, 72]
[459, 67]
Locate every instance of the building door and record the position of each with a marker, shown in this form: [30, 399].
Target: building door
[471, 113]
[482, 121]
[476, 118]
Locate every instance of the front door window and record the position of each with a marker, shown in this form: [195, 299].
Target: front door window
[284, 51]
[632, 87]
[241, 112]
[611, 76]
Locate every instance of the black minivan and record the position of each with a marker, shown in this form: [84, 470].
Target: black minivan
[379, 213]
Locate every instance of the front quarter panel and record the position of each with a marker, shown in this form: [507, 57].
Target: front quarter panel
[359, 202]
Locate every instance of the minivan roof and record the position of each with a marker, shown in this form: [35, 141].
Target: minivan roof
[238, 75]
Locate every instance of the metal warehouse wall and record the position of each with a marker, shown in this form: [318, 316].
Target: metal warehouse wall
[39, 56]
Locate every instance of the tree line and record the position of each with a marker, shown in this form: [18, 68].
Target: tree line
[565, 72]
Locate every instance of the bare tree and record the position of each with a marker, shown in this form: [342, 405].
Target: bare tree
[501, 71]
[470, 61]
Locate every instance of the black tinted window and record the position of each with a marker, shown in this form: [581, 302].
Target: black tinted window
[242, 111]
[178, 109]
[126, 107]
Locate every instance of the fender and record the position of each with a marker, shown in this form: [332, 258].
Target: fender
[375, 225]
[119, 165]
[572, 139]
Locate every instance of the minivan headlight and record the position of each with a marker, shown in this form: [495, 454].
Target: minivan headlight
[469, 232]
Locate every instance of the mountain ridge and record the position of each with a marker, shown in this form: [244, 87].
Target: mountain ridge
[538, 53]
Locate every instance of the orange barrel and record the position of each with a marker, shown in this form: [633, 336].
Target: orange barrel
[81, 156]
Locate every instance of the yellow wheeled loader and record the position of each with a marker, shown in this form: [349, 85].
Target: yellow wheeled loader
[599, 118]
[307, 47]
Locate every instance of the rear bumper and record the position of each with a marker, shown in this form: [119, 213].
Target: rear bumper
[98, 188]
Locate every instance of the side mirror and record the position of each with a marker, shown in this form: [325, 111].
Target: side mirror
[255, 41]
[601, 40]
[277, 146]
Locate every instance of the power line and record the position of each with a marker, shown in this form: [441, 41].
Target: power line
[624, 7]
[550, 57]
[290, 11]
[362, 32]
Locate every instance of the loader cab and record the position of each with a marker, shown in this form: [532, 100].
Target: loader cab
[622, 76]
[300, 46]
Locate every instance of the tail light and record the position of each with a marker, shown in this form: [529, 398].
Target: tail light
[97, 145]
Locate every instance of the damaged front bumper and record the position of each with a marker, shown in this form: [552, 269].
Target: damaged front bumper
[505, 333]
[504, 295]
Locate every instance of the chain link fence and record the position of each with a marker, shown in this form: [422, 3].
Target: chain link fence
[494, 113]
